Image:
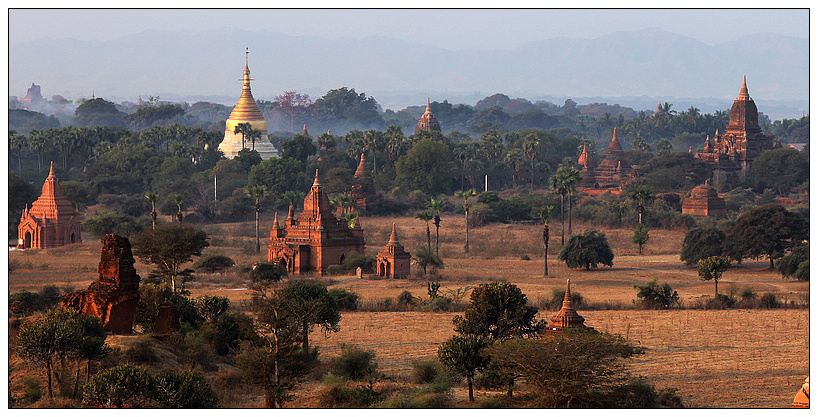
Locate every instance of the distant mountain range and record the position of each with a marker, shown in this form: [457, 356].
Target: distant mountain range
[634, 68]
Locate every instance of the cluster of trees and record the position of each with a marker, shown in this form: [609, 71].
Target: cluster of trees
[771, 231]
[500, 340]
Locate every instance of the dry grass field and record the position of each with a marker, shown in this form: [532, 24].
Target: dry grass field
[748, 358]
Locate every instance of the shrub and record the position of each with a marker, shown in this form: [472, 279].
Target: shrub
[720, 302]
[184, 390]
[22, 303]
[769, 300]
[656, 296]
[353, 261]
[122, 386]
[264, 272]
[426, 371]
[213, 263]
[32, 389]
[587, 251]
[48, 297]
[334, 270]
[418, 398]
[211, 307]
[355, 363]
[345, 300]
[437, 304]
[795, 264]
[701, 243]
[339, 395]
[406, 299]
[557, 295]
[141, 352]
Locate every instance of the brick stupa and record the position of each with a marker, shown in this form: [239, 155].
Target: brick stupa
[586, 174]
[114, 297]
[703, 201]
[51, 221]
[611, 173]
[393, 261]
[362, 185]
[567, 317]
[427, 121]
[315, 239]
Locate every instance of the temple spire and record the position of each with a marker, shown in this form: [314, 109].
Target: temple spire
[304, 130]
[566, 300]
[743, 93]
[393, 235]
[246, 78]
[428, 104]
[316, 182]
[361, 169]
[290, 213]
[275, 221]
[51, 170]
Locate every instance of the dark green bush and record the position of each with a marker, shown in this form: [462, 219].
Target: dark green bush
[656, 296]
[353, 260]
[32, 389]
[141, 352]
[345, 300]
[184, 390]
[264, 272]
[557, 295]
[587, 251]
[426, 371]
[22, 303]
[214, 263]
[769, 300]
[355, 363]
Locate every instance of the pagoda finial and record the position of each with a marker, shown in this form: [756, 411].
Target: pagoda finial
[566, 301]
[316, 181]
[290, 213]
[275, 221]
[246, 78]
[428, 104]
[393, 235]
[51, 170]
[743, 93]
[304, 130]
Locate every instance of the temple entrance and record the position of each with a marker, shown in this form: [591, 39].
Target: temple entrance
[27, 240]
[73, 237]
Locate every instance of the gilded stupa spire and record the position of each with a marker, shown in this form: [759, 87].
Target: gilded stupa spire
[246, 109]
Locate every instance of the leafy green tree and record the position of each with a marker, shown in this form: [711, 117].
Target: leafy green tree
[169, 247]
[795, 264]
[769, 230]
[426, 167]
[55, 336]
[344, 106]
[713, 268]
[567, 369]
[464, 356]
[279, 175]
[640, 236]
[702, 242]
[466, 195]
[587, 251]
[300, 148]
[99, 112]
[664, 147]
[778, 169]
[558, 184]
[312, 306]
[498, 310]
[120, 387]
[244, 130]
[641, 196]
[654, 295]
[211, 307]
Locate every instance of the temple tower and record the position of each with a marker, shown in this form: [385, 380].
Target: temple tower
[393, 261]
[246, 111]
[51, 221]
[427, 122]
[567, 317]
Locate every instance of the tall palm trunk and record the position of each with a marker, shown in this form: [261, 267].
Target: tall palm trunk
[50, 384]
[437, 240]
[471, 389]
[428, 238]
[570, 214]
[258, 241]
[562, 218]
[467, 232]
[545, 249]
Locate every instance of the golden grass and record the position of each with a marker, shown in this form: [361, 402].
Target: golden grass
[733, 358]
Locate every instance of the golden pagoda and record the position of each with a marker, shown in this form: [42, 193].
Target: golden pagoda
[246, 111]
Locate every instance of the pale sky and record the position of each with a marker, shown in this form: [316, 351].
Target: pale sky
[453, 29]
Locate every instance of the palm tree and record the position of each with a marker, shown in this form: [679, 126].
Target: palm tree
[466, 195]
[641, 195]
[435, 206]
[544, 214]
[178, 201]
[558, 185]
[254, 135]
[530, 147]
[571, 179]
[256, 192]
[152, 198]
[243, 129]
[18, 143]
[351, 218]
[426, 216]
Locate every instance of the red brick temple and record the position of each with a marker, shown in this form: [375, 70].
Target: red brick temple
[393, 261]
[731, 153]
[567, 317]
[427, 122]
[51, 221]
[611, 173]
[586, 173]
[362, 185]
[315, 239]
[703, 201]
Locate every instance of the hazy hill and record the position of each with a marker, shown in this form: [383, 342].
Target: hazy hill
[207, 65]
